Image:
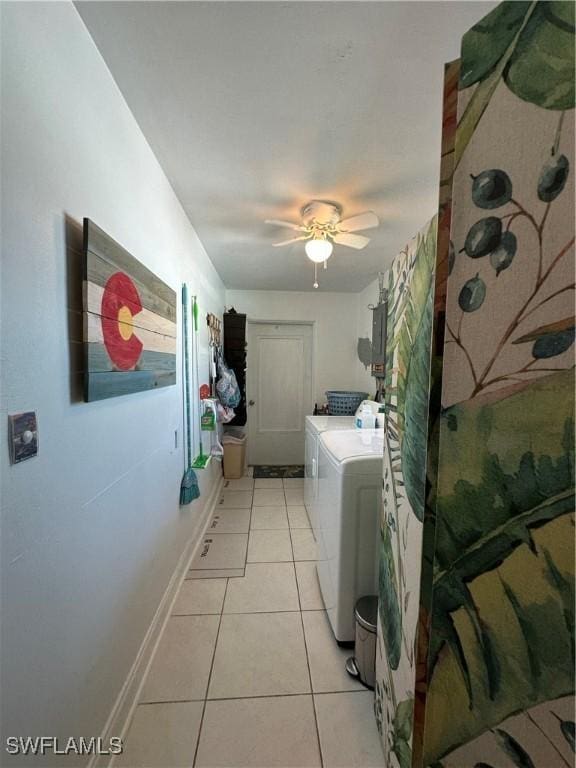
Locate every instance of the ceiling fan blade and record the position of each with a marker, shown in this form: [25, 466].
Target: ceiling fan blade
[288, 242]
[289, 224]
[366, 220]
[352, 241]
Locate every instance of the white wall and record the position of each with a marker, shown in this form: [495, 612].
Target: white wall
[91, 528]
[335, 318]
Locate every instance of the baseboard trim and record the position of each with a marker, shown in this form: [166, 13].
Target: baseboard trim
[122, 712]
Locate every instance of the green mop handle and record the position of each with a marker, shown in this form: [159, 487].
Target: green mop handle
[186, 370]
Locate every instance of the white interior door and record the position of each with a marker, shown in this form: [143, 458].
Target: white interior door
[278, 391]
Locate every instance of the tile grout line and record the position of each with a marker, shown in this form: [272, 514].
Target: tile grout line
[257, 613]
[271, 562]
[307, 658]
[218, 569]
[290, 535]
[269, 529]
[265, 562]
[209, 678]
[249, 534]
[252, 696]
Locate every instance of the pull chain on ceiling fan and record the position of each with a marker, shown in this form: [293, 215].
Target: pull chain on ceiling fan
[322, 226]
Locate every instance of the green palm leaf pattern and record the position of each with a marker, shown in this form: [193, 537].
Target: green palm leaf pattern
[528, 45]
[402, 733]
[413, 362]
[388, 605]
[503, 608]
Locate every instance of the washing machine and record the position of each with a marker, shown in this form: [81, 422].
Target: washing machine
[346, 518]
[314, 427]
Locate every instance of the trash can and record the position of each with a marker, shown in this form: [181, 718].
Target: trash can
[234, 444]
[363, 664]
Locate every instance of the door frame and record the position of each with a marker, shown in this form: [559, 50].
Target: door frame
[258, 321]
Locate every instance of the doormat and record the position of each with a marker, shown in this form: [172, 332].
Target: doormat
[293, 470]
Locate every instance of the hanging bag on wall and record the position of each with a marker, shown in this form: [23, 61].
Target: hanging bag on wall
[227, 386]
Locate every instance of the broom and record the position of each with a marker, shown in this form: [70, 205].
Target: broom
[189, 489]
[202, 459]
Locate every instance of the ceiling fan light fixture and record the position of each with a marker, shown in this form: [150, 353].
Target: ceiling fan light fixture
[321, 226]
[318, 249]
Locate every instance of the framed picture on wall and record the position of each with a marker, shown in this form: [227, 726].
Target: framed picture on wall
[129, 321]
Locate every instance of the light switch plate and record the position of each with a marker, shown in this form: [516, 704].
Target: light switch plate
[23, 436]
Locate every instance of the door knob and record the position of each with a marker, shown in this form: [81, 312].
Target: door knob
[251, 402]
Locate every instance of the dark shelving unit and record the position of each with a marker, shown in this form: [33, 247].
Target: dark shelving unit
[235, 356]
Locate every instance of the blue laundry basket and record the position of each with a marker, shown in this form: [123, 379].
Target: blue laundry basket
[344, 402]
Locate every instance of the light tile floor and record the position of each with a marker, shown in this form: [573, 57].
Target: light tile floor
[247, 672]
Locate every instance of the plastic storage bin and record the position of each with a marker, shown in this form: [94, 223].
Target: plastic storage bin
[363, 664]
[234, 444]
[344, 402]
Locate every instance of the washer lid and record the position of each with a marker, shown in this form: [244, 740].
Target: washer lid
[324, 423]
[354, 444]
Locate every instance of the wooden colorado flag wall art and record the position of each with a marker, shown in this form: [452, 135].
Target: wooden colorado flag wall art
[129, 321]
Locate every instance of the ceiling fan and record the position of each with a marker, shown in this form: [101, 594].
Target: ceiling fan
[322, 226]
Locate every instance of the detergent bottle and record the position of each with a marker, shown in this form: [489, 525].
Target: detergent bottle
[366, 418]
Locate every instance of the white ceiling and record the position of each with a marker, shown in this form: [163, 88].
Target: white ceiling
[254, 108]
